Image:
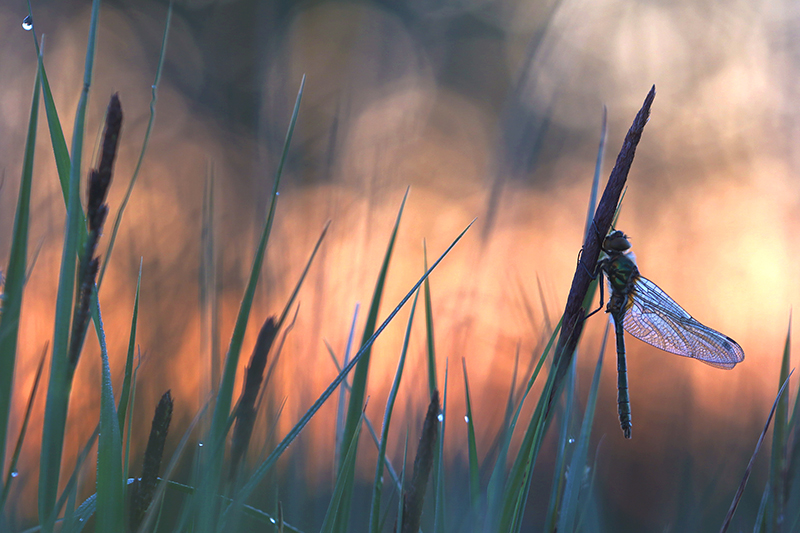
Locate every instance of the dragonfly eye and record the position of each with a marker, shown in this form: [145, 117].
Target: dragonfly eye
[616, 241]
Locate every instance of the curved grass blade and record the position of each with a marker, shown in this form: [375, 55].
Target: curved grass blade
[124, 396]
[358, 386]
[259, 473]
[334, 508]
[153, 100]
[222, 407]
[559, 477]
[110, 483]
[438, 477]
[738, 496]
[61, 369]
[776, 506]
[598, 168]
[377, 484]
[12, 467]
[474, 480]
[431, 352]
[296, 290]
[341, 411]
[568, 515]
[517, 484]
[15, 280]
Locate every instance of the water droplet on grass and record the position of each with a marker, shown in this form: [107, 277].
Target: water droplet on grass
[27, 23]
[14, 473]
[441, 417]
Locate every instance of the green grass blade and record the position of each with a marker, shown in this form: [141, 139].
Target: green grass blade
[334, 508]
[377, 485]
[261, 471]
[110, 484]
[153, 100]
[738, 496]
[15, 279]
[61, 370]
[513, 502]
[12, 467]
[776, 505]
[496, 485]
[222, 407]
[431, 352]
[131, 404]
[401, 498]
[438, 465]
[72, 485]
[598, 169]
[557, 490]
[568, 515]
[341, 410]
[358, 386]
[472, 447]
[124, 396]
[296, 290]
[59, 143]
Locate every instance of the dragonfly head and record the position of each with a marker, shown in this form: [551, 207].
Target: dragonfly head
[616, 241]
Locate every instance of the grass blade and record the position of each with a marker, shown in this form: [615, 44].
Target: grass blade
[260, 471]
[124, 396]
[377, 485]
[474, 480]
[110, 484]
[568, 516]
[334, 508]
[61, 369]
[222, 407]
[15, 280]
[153, 100]
[738, 496]
[776, 505]
[12, 467]
[431, 352]
[358, 386]
[438, 462]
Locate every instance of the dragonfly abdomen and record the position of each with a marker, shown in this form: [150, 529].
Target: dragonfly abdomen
[623, 397]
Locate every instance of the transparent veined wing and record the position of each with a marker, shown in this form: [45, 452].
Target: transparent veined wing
[655, 318]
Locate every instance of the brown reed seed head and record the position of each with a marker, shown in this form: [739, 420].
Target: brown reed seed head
[423, 463]
[142, 495]
[100, 179]
[246, 413]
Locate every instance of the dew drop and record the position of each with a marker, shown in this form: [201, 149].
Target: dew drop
[272, 520]
[571, 440]
[441, 417]
[200, 444]
[277, 194]
[466, 419]
[14, 473]
[27, 23]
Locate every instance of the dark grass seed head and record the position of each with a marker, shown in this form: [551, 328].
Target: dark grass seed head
[423, 463]
[254, 375]
[142, 491]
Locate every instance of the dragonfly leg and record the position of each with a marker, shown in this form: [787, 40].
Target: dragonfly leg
[600, 273]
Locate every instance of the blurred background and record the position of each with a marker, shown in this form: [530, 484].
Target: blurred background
[485, 108]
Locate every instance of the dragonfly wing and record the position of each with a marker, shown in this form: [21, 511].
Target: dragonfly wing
[655, 318]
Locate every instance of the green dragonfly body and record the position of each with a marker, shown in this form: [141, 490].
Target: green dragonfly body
[639, 307]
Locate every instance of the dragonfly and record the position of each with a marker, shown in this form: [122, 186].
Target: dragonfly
[641, 308]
